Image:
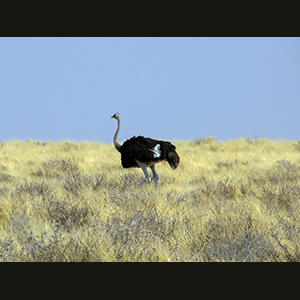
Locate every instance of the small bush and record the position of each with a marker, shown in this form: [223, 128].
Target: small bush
[223, 189]
[54, 247]
[6, 249]
[6, 177]
[247, 245]
[32, 189]
[210, 142]
[287, 236]
[75, 183]
[56, 169]
[138, 232]
[66, 214]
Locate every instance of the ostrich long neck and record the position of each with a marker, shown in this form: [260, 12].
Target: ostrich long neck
[117, 144]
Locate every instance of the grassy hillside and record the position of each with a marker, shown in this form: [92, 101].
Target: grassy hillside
[227, 201]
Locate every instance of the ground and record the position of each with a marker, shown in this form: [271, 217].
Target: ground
[227, 201]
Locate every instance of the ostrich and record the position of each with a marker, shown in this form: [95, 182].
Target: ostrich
[141, 152]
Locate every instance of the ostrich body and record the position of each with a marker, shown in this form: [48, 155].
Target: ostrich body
[141, 152]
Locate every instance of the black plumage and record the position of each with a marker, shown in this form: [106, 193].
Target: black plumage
[145, 152]
[141, 149]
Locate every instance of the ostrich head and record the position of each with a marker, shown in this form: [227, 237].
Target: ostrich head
[116, 116]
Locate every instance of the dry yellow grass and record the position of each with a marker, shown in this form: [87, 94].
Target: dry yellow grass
[227, 201]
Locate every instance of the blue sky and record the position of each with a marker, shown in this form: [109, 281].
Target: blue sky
[165, 88]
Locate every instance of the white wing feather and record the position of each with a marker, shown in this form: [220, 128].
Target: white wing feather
[156, 150]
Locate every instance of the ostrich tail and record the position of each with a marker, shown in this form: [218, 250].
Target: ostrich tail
[173, 159]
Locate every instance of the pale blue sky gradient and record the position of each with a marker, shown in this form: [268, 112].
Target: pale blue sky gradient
[165, 88]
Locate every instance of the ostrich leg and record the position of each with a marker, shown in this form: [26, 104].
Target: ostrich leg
[155, 175]
[143, 166]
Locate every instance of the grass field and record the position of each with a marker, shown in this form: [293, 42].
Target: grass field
[227, 201]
